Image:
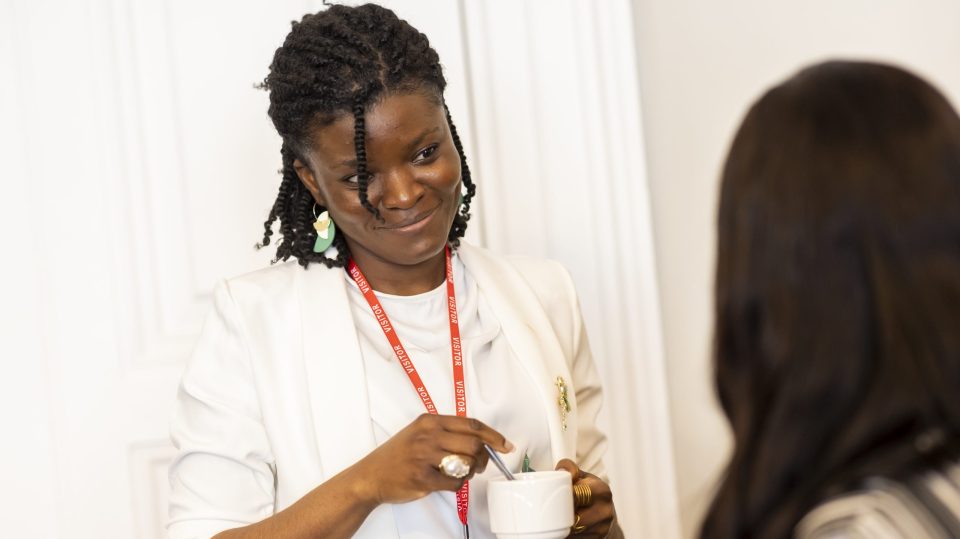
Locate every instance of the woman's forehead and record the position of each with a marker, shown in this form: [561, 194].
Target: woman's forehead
[391, 123]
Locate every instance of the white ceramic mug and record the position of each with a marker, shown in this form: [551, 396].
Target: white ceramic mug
[537, 505]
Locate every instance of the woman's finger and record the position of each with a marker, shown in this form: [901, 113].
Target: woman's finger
[598, 489]
[467, 445]
[595, 520]
[442, 481]
[571, 467]
[595, 517]
[475, 427]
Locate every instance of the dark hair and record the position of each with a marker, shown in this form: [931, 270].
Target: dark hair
[837, 337]
[340, 61]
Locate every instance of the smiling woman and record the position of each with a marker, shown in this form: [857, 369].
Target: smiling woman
[356, 399]
[330, 72]
[413, 185]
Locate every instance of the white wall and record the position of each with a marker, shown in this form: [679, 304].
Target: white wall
[701, 65]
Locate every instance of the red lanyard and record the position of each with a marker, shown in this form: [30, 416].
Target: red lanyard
[459, 388]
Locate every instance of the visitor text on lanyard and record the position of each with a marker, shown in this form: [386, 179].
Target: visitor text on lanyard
[459, 388]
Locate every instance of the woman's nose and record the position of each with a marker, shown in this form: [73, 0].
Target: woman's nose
[401, 190]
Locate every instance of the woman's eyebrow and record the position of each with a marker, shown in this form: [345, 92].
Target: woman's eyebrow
[424, 134]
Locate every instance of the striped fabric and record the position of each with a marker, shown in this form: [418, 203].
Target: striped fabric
[925, 508]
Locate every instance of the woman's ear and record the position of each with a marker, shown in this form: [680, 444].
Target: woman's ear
[309, 180]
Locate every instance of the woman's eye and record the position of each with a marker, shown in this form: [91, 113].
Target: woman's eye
[354, 179]
[426, 153]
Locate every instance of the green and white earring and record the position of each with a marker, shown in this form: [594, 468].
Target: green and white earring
[326, 230]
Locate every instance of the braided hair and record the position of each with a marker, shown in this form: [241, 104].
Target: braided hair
[338, 61]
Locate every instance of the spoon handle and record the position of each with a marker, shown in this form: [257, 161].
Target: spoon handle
[499, 462]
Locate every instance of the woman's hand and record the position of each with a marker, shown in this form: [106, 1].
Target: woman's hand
[406, 467]
[597, 519]
[403, 469]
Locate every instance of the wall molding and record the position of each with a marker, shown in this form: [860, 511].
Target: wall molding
[166, 303]
[559, 134]
[149, 461]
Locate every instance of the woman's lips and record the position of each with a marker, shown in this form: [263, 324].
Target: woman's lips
[413, 225]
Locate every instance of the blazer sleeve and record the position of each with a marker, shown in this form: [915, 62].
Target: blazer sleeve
[223, 475]
[591, 441]
[554, 288]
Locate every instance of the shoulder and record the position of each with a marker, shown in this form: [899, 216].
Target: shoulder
[273, 276]
[548, 279]
[886, 508]
[540, 270]
[272, 286]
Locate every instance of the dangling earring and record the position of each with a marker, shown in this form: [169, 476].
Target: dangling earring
[326, 230]
[460, 200]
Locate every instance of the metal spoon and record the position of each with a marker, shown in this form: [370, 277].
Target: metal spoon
[499, 463]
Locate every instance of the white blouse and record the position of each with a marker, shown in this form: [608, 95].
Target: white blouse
[499, 391]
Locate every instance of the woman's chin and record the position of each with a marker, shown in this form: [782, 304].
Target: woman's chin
[422, 251]
[401, 252]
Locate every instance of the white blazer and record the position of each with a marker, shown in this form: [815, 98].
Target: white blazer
[274, 401]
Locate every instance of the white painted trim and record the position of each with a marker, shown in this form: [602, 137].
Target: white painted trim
[557, 119]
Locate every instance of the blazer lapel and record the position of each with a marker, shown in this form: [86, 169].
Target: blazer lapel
[337, 382]
[530, 335]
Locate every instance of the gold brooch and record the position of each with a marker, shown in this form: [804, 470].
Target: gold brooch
[563, 402]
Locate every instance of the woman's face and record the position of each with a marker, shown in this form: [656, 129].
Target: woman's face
[414, 172]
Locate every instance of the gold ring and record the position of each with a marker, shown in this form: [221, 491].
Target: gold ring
[577, 527]
[454, 466]
[582, 495]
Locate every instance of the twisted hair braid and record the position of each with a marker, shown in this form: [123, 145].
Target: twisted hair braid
[460, 221]
[363, 177]
[340, 61]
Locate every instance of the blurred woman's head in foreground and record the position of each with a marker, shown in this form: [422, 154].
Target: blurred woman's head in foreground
[837, 338]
